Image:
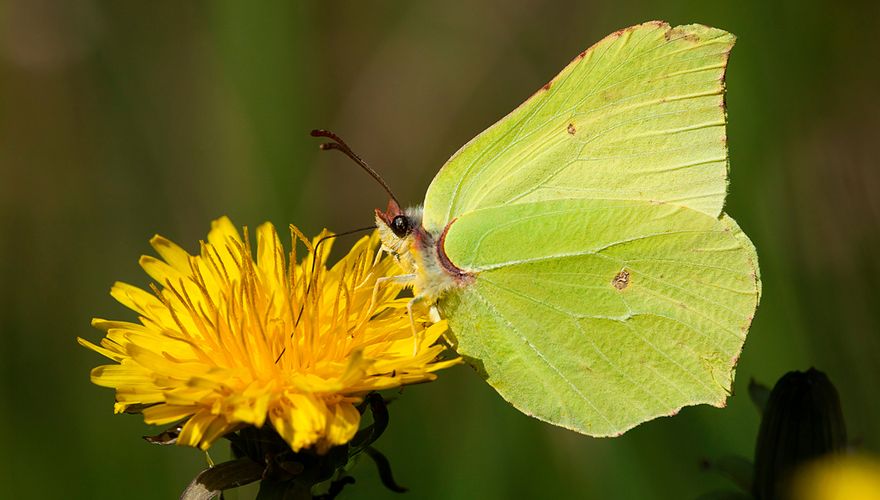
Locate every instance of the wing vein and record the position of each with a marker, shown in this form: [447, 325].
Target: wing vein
[541, 356]
[571, 318]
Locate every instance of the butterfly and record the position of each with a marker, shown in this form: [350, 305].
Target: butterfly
[578, 248]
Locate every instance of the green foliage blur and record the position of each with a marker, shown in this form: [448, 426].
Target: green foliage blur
[119, 120]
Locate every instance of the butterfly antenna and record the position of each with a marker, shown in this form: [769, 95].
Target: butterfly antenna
[340, 145]
[312, 275]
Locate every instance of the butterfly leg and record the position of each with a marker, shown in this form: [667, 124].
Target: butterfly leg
[401, 279]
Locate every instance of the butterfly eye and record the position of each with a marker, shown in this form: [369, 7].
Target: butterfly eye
[400, 226]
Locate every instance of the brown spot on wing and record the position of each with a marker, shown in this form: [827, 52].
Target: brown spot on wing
[621, 280]
[571, 129]
[544, 88]
[679, 34]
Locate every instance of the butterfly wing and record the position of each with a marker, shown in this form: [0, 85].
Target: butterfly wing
[597, 315]
[638, 116]
[608, 286]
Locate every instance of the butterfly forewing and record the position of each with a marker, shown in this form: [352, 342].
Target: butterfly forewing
[638, 116]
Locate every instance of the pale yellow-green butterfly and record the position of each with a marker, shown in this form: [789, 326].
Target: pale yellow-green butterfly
[578, 248]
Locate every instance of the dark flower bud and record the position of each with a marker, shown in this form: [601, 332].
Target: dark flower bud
[802, 421]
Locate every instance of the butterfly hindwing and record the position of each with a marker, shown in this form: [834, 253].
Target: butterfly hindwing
[597, 315]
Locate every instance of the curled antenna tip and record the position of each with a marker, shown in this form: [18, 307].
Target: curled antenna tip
[340, 145]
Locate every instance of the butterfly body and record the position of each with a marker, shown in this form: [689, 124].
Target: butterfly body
[578, 246]
[419, 253]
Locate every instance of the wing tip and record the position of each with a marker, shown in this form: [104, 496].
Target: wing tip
[688, 32]
[696, 32]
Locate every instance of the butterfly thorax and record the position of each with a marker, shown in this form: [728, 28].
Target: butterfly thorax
[417, 252]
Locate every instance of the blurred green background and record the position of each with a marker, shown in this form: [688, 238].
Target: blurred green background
[119, 120]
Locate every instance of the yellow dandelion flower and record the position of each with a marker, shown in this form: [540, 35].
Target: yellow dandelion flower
[227, 340]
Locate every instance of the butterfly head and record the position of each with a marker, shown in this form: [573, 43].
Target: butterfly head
[401, 232]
